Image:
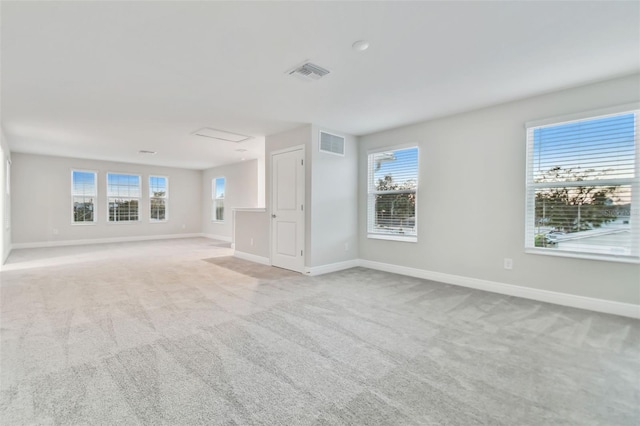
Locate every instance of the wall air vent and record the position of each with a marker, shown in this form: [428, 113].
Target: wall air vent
[207, 132]
[309, 72]
[333, 144]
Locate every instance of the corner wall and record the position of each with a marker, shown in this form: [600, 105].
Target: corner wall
[472, 195]
[331, 190]
[334, 207]
[5, 199]
[41, 207]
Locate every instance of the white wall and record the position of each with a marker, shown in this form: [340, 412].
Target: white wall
[241, 191]
[331, 192]
[252, 233]
[334, 207]
[41, 201]
[5, 200]
[472, 192]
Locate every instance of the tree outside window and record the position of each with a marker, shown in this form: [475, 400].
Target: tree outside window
[393, 186]
[217, 193]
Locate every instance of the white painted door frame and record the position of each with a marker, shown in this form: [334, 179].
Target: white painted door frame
[287, 214]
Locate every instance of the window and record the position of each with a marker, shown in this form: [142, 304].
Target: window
[83, 196]
[392, 194]
[158, 197]
[582, 187]
[123, 195]
[217, 194]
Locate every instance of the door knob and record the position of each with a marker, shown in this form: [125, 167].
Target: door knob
[273, 216]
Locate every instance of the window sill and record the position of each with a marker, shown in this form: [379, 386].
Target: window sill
[577, 255]
[159, 221]
[403, 238]
[87, 223]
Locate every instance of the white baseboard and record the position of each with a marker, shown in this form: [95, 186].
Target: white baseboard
[331, 267]
[63, 243]
[217, 237]
[252, 257]
[574, 301]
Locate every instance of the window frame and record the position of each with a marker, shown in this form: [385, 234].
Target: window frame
[95, 197]
[165, 198]
[633, 182]
[139, 199]
[215, 200]
[371, 192]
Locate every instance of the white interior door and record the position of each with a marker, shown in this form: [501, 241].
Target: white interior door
[287, 209]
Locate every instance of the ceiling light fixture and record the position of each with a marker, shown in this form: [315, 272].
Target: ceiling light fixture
[360, 45]
[241, 150]
[145, 152]
[222, 135]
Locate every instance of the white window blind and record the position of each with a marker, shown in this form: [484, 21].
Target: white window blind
[158, 198]
[392, 194]
[123, 197]
[582, 187]
[217, 195]
[83, 196]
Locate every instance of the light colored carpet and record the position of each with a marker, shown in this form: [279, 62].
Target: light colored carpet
[151, 333]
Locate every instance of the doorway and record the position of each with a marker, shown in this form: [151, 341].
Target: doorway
[287, 209]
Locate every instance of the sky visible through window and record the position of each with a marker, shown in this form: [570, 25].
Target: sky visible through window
[84, 182]
[582, 183]
[601, 148]
[122, 185]
[219, 188]
[157, 186]
[401, 165]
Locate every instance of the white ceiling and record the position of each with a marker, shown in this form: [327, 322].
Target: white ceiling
[106, 79]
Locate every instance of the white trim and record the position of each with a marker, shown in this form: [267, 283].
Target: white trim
[165, 198]
[574, 301]
[252, 257]
[630, 255]
[73, 195]
[217, 237]
[582, 255]
[138, 199]
[214, 199]
[301, 191]
[288, 149]
[397, 147]
[44, 244]
[372, 191]
[584, 114]
[331, 267]
[393, 237]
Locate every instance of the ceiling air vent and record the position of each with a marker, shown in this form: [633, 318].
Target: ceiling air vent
[333, 144]
[309, 72]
